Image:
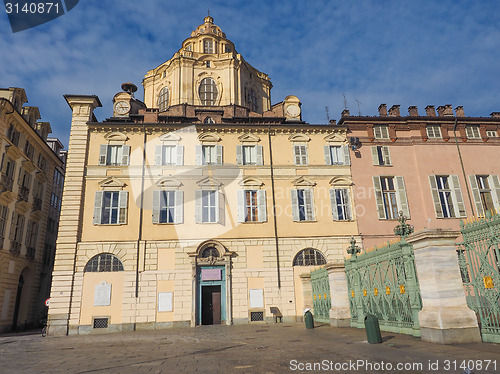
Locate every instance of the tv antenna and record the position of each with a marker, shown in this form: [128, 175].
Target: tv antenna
[359, 108]
[345, 101]
[327, 114]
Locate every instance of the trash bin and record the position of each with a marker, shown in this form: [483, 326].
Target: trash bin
[309, 320]
[372, 329]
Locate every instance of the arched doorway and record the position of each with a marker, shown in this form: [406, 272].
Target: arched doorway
[21, 307]
[211, 284]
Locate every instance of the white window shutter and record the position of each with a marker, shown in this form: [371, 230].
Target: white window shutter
[158, 155]
[220, 202]
[435, 196]
[98, 207]
[401, 196]
[179, 207]
[260, 155]
[379, 198]
[347, 202]
[13, 226]
[180, 155]
[476, 195]
[347, 155]
[495, 191]
[156, 206]
[198, 212]
[296, 154]
[28, 234]
[103, 154]
[309, 204]
[458, 201]
[241, 205]
[375, 155]
[295, 205]
[261, 206]
[218, 151]
[307, 155]
[125, 155]
[123, 202]
[199, 158]
[328, 156]
[333, 203]
[386, 155]
[239, 155]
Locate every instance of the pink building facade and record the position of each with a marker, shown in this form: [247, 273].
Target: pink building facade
[413, 164]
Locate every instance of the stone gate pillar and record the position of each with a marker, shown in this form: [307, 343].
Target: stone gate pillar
[340, 312]
[445, 317]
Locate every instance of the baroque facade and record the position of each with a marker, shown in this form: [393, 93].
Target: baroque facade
[201, 205]
[438, 168]
[32, 175]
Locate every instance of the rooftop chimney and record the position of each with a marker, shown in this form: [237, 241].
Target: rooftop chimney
[495, 114]
[394, 111]
[345, 113]
[459, 111]
[445, 111]
[430, 111]
[413, 111]
[382, 110]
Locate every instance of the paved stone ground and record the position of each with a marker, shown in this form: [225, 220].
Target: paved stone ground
[253, 348]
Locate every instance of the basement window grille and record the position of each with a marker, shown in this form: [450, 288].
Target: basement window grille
[256, 316]
[101, 323]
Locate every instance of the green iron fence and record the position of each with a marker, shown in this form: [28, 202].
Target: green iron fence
[383, 282]
[479, 260]
[321, 295]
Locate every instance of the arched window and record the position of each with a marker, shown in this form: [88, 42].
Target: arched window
[163, 99]
[208, 46]
[208, 92]
[210, 251]
[309, 257]
[103, 262]
[208, 120]
[252, 100]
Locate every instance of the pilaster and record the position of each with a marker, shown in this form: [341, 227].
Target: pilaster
[340, 312]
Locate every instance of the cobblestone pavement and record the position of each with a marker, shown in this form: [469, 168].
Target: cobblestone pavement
[237, 349]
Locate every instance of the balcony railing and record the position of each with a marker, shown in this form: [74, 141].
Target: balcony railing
[15, 247]
[24, 193]
[37, 204]
[6, 182]
[31, 253]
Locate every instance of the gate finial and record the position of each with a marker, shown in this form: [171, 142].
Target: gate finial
[353, 249]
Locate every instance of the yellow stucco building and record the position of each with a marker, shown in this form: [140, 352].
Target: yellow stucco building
[201, 205]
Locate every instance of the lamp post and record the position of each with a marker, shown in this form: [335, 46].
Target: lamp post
[403, 229]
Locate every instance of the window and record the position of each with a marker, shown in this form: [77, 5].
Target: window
[104, 262]
[381, 132]
[251, 100]
[302, 205]
[208, 46]
[341, 209]
[210, 252]
[13, 135]
[337, 155]
[4, 211]
[16, 232]
[31, 235]
[169, 155]
[381, 156]
[492, 134]
[209, 206]
[309, 257]
[167, 206]
[433, 131]
[163, 99]
[300, 154]
[447, 196]
[390, 194]
[29, 150]
[42, 163]
[208, 120]
[252, 206]
[228, 48]
[114, 155]
[110, 207]
[472, 132]
[208, 155]
[208, 92]
[189, 47]
[24, 182]
[249, 155]
[7, 178]
[486, 193]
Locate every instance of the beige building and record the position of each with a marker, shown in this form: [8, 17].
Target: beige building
[202, 205]
[32, 173]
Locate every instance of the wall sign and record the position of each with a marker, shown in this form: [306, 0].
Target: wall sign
[211, 274]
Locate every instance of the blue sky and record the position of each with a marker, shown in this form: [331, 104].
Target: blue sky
[401, 52]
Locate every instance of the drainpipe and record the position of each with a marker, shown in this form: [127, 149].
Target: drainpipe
[274, 208]
[140, 212]
[462, 164]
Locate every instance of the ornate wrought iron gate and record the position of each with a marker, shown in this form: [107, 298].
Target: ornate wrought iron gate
[479, 260]
[321, 295]
[383, 282]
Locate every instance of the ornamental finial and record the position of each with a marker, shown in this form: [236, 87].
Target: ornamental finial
[403, 229]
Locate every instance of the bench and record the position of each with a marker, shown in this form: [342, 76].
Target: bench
[276, 314]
